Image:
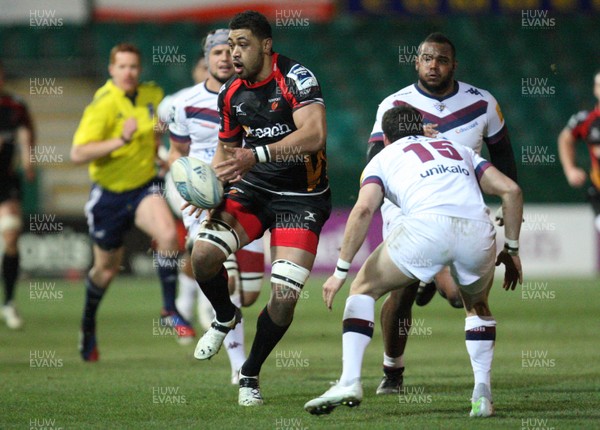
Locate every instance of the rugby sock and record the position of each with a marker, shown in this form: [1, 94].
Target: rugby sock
[268, 334]
[234, 341]
[93, 296]
[167, 273]
[480, 339]
[10, 272]
[186, 295]
[217, 293]
[359, 317]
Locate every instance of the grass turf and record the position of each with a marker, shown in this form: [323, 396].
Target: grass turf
[545, 372]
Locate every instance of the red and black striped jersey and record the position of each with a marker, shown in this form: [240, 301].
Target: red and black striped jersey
[585, 125]
[262, 113]
[13, 114]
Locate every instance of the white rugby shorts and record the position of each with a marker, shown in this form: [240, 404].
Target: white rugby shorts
[421, 245]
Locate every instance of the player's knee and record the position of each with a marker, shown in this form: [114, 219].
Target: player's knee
[249, 297]
[10, 225]
[166, 239]
[212, 245]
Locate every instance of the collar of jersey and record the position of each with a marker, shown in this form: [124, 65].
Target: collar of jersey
[268, 78]
[439, 99]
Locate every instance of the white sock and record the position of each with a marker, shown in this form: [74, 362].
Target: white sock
[186, 295]
[234, 341]
[359, 317]
[393, 362]
[480, 338]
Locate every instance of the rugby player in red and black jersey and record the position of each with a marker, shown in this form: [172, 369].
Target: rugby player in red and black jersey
[584, 125]
[16, 139]
[276, 180]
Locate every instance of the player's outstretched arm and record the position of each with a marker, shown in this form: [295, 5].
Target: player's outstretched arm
[369, 200]
[495, 183]
[93, 150]
[566, 153]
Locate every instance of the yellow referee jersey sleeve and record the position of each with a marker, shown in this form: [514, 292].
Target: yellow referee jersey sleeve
[132, 165]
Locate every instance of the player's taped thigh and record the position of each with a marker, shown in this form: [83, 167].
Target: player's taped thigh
[220, 234]
[10, 222]
[289, 274]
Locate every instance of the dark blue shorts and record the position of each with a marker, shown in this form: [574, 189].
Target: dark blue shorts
[110, 215]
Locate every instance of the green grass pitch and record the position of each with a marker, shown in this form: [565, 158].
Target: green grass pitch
[546, 371]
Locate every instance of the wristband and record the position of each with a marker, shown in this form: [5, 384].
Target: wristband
[341, 269]
[512, 247]
[261, 154]
[125, 140]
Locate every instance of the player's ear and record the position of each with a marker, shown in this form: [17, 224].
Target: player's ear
[386, 141]
[268, 45]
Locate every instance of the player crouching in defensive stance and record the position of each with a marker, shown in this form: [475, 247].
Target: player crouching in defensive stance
[437, 185]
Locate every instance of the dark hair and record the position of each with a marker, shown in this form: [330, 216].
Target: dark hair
[255, 22]
[440, 38]
[402, 121]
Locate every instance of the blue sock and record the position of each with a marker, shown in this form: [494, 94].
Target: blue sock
[93, 296]
[167, 272]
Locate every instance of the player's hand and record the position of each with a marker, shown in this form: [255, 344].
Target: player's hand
[330, 288]
[196, 211]
[239, 162]
[129, 127]
[576, 177]
[429, 130]
[513, 272]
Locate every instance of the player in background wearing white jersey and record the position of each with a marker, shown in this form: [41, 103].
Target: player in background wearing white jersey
[437, 185]
[453, 110]
[194, 132]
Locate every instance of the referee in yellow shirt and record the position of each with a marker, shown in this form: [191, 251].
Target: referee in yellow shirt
[116, 136]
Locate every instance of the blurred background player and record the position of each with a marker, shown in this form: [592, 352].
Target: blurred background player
[466, 115]
[194, 132]
[584, 125]
[117, 137]
[274, 107]
[438, 185]
[16, 141]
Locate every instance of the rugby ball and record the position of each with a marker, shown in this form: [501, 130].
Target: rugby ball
[197, 182]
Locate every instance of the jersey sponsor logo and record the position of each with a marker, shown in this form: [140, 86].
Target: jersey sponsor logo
[275, 131]
[303, 77]
[474, 91]
[440, 169]
[466, 128]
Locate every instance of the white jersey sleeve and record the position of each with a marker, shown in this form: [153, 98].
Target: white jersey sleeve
[178, 128]
[377, 132]
[494, 117]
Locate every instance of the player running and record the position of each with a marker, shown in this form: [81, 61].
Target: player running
[194, 132]
[16, 141]
[437, 185]
[116, 136]
[466, 115]
[277, 181]
[584, 125]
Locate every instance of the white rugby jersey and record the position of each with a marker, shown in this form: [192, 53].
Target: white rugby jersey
[466, 116]
[430, 175]
[196, 121]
